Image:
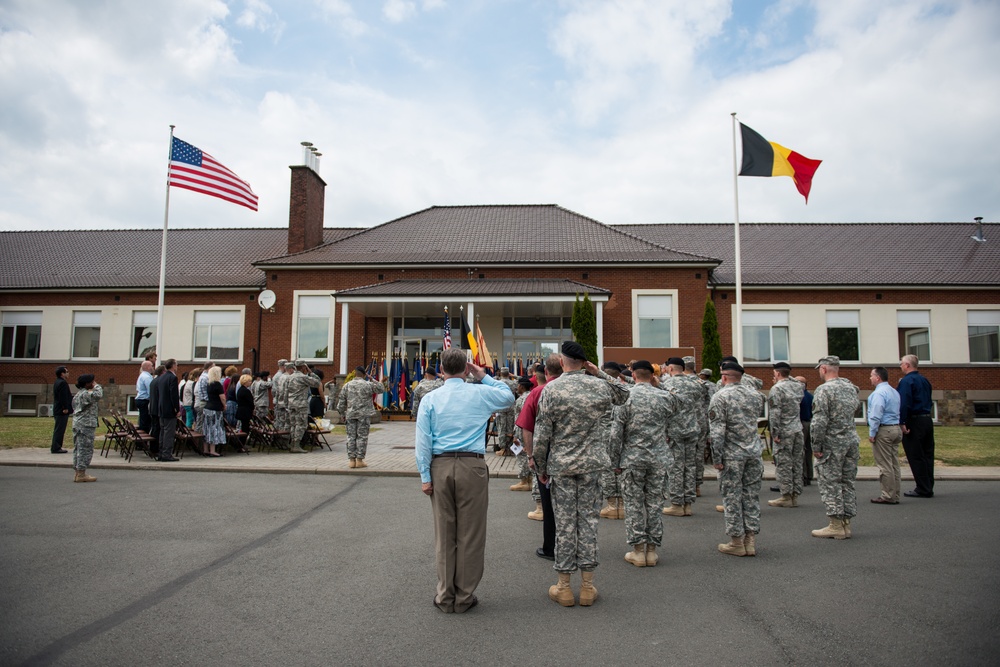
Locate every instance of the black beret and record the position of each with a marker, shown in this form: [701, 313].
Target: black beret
[627, 373]
[642, 365]
[573, 350]
[732, 366]
[611, 366]
[430, 370]
[675, 361]
[84, 380]
[782, 365]
[525, 382]
[361, 369]
[729, 358]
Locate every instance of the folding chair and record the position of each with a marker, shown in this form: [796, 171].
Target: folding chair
[114, 436]
[237, 439]
[317, 435]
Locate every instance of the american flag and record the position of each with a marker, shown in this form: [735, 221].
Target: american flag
[447, 330]
[193, 169]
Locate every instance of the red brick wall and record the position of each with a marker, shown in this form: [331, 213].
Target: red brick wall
[305, 210]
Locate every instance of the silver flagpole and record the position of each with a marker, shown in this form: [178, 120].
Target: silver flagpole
[163, 252]
[738, 327]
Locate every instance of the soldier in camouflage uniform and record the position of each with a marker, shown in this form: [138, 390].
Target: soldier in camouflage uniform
[736, 450]
[685, 430]
[285, 368]
[296, 386]
[355, 404]
[526, 479]
[570, 449]
[705, 375]
[503, 421]
[610, 481]
[84, 425]
[786, 433]
[429, 383]
[638, 450]
[835, 447]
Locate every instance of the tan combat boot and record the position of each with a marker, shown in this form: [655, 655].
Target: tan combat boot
[835, 529]
[750, 544]
[587, 591]
[847, 528]
[786, 500]
[537, 515]
[610, 509]
[637, 556]
[697, 492]
[84, 477]
[352, 463]
[76, 475]
[651, 558]
[297, 450]
[561, 592]
[620, 506]
[734, 548]
[523, 484]
[687, 509]
[360, 463]
[795, 500]
[674, 510]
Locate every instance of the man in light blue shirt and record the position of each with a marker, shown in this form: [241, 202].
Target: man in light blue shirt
[142, 395]
[450, 450]
[885, 435]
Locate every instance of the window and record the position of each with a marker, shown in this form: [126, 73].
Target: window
[984, 335]
[143, 333]
[986, 410]
[130, 406]
[217, 335]
[86, 334]
[914, 333]
[842, 334]
[22, 404]
[314, 327]
[765, 335]
[20, 334]
[655, 314]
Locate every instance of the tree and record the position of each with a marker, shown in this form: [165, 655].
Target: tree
[711, 347]
[584, 326]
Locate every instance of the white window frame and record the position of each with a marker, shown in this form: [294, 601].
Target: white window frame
[85, 319]
[770, 319]
[982, 318]
[915, 319]
[848, 319]
[299, 294]
[144, 315]
[207, 316]
[21, 318]
[674, 325]
[11, 411]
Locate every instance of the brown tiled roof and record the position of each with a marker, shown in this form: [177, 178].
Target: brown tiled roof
[489, 235]
[130, 258]
[472, 287]
[840, 254]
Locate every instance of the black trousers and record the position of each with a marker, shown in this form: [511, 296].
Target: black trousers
[918, 445]
[548, 521]
[59, 432]
[142, 405]
[807, 453]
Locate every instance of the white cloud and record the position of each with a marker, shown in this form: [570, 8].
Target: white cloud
[397, 11]
[258, 15]
[341, 12]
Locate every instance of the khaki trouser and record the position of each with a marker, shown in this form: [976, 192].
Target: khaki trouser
[886, 452]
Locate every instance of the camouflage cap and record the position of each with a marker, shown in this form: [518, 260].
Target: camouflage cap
[707, 372]
[828, 361]
[688, 359]
[289, 366]
[301, 362]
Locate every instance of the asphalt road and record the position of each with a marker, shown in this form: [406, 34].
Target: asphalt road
[173, 568]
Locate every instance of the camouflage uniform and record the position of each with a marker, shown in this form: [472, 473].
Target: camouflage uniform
[423, 388]
[834, 435]
[784, 401]
[84, 425]
[699, 468]
[296, 387]
[261, 396]
[685, 429]
[280, 400]
[638, 448]
[504, 420]
[570, 447]
[355, 404]
[732, 417]
[609, 483]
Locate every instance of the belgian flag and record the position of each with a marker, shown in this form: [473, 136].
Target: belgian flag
[766, 158]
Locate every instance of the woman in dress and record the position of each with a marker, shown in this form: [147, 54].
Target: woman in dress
[215, 434]
[244, 407]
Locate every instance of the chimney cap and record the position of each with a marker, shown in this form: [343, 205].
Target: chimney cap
[307, 143]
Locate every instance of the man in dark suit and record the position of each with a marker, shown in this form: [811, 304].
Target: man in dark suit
[168, 409]
[62, 408]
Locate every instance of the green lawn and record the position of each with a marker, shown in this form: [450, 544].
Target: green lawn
[953, 446]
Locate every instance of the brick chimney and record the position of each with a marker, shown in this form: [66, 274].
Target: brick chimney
[305, 210]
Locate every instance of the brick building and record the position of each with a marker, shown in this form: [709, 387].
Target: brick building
[870, 292]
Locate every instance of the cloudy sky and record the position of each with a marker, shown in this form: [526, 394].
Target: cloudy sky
[616, 109]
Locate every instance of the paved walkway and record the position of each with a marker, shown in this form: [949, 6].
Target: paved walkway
[390, 453]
